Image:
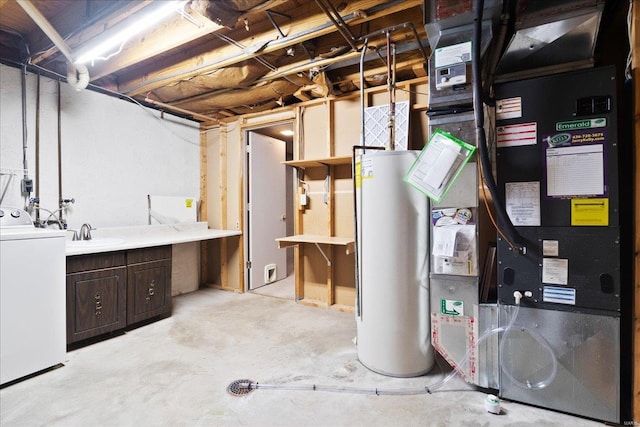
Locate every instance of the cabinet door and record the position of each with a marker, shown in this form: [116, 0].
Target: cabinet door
[149, 290]
[96, 303]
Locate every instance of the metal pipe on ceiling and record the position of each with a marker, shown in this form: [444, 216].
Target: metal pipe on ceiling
[338, 22]
[261, 60]
[180, 110]
[385, 31]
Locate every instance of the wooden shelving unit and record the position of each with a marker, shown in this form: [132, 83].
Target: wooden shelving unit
[324, 274]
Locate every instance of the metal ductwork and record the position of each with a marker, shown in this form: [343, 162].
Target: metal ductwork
[551, 37]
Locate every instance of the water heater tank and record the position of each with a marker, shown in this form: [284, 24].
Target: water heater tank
[392, 314]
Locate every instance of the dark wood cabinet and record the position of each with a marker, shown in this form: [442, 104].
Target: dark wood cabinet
[96, 295]
[111, 291]
[148, 284]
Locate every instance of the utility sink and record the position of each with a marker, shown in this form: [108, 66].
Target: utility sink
[95, 242]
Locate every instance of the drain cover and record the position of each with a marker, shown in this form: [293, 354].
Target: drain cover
[240, 387]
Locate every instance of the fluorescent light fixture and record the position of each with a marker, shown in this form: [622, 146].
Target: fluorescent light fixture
[287, 132]
[120, 38]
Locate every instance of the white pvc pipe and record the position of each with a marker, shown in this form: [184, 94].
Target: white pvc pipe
[77, 76]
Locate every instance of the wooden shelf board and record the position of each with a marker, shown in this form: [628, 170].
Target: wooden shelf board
[310, 163]
[348, 242]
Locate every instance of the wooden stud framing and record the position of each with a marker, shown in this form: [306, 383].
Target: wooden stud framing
[298, 254]
[322, 285]
[204, 260]
[224, 223]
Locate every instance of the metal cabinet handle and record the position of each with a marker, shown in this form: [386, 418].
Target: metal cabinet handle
[98, 299]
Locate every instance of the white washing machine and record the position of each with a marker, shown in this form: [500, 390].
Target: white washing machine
[32, 296]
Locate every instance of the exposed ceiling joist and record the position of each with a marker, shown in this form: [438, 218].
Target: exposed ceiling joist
[298, 31]
[269, 54]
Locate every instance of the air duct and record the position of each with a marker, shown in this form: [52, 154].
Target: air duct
[551, 37]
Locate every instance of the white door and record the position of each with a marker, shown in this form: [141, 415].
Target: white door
[266, 209]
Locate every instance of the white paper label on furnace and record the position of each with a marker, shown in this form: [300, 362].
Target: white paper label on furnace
[550, 248]
[523, 203]
[575, 171]
[555, 271]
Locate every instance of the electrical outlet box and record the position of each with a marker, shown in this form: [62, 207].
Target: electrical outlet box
[303, 200]
[27, 185]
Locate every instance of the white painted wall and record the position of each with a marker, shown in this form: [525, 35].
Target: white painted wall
[114, 152]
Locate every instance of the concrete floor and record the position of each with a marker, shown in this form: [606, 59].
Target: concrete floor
[175, 373]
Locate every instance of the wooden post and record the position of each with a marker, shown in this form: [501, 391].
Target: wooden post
[635, 40]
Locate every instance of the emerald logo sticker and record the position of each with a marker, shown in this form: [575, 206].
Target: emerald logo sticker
[600, 122]
[451, 307]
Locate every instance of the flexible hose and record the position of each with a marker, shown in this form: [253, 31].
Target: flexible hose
[540, 339]
[428, 389]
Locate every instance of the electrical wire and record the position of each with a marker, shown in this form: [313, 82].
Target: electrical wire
[410, 91]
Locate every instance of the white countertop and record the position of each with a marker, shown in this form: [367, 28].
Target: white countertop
[121, 238]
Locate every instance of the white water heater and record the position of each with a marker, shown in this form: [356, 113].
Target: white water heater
[392, 313]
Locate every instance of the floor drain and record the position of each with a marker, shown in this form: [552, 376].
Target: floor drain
[240, 387]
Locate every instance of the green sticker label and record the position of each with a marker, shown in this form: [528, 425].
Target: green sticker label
[451, 307]
[582, 124]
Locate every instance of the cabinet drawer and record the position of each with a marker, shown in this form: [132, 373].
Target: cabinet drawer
[96, 303]
[136, 256]
[98, 261]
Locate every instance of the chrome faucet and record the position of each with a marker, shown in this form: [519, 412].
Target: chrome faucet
[85, 231]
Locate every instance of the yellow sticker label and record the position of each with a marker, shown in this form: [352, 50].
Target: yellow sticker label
[188, 202]
[358, 172]
[590, 212]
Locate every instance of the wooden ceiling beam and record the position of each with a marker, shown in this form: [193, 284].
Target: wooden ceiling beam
[299, 30]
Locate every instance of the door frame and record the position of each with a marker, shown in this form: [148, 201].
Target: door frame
[290, 179]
